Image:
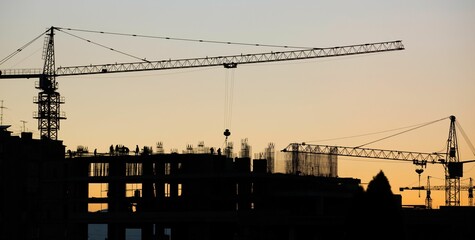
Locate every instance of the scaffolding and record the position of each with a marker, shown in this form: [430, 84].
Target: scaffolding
[301, 163]
[159, 147]
[245, 149]
[228, 151]
[269, 155]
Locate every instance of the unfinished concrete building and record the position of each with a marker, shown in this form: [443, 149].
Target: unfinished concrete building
[207, 196]
[166, 196]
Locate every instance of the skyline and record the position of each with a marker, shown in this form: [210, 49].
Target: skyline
[310, 101]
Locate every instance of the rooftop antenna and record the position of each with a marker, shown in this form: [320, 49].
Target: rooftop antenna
[1, 111]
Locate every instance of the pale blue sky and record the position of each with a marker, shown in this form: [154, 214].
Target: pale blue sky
[281, 103]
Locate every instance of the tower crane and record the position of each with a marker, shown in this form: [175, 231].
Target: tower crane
[49, 100]
[429, 188]
[450, 159]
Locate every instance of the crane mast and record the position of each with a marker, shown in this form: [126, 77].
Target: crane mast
[49, 100]
[453, 168]
[428, 197]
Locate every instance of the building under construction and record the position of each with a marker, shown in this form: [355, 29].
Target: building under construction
[47, 194]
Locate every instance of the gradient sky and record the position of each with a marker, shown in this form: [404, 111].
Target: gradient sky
[304, 101]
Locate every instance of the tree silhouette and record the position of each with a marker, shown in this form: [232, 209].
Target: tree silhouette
[379, 186]
[383, 209]
[375, 213]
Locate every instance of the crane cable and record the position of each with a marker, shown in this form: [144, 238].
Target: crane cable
[470, 145]
[228, 100]
[21, 48]
[393, 135]
[228, 97]
[373, 133]
[103, 46]
[186, 39]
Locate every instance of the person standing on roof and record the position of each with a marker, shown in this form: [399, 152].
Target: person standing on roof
[111, 150]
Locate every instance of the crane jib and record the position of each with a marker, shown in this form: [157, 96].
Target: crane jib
[226, 61]
[417, 158]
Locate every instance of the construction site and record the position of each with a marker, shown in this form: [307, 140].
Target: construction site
[51, 192]
[189, 195]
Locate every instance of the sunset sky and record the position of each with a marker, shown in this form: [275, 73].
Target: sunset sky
[321, 101]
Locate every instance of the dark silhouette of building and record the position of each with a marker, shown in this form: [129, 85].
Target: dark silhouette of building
[45, 195]
[34, 189]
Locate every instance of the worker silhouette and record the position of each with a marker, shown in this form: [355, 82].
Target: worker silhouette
[211, 150]
[219, 151]
[111, 150]
[137, 150]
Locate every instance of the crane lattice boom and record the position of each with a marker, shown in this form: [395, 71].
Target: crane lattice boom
[417, 158]
[227, 61]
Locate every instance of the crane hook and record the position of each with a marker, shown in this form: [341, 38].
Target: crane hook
[227, 133]
[419, 171]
